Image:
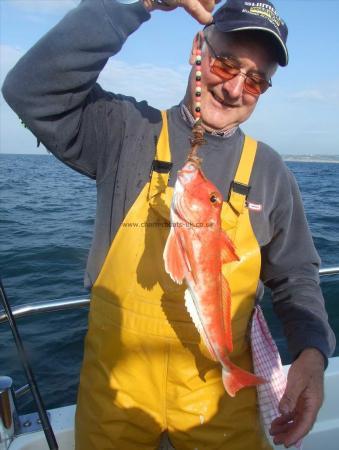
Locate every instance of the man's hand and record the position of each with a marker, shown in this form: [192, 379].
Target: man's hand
[199, 9]
[302, 399]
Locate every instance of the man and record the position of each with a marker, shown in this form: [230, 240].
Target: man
[145, 370]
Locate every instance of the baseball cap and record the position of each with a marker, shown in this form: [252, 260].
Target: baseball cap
[237, 15]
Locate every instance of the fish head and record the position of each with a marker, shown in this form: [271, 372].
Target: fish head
[196, 199]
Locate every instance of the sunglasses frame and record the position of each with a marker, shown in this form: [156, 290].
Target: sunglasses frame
[223, 61]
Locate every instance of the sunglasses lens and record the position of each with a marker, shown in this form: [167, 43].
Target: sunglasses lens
[223, 70]
[256, 87]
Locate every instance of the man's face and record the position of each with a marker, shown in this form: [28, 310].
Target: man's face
[225, 104]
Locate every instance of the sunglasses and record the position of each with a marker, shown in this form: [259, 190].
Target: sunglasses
[226, 69]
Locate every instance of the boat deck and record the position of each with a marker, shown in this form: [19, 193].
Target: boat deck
[325, 433]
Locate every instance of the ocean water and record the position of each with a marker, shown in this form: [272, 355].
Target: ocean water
[47, 215]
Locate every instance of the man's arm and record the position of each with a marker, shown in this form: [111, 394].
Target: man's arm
[290, 269]
[290, 266]
[199, 9]
[53, 86]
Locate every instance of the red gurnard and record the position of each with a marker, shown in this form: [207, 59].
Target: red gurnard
[195, 250]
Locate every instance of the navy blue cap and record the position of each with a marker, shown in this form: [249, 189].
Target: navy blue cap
[237, 15]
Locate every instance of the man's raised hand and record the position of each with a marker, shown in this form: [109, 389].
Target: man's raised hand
[201, 10]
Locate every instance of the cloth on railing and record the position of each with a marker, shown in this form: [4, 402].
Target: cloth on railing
[267, 364]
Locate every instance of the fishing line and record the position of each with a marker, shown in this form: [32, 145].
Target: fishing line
[46, 425]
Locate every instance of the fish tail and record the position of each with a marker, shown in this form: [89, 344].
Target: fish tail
[234, 378]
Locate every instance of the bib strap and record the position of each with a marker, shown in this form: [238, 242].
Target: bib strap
[240, 186]
[162, 164]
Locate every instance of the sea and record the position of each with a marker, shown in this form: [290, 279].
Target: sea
[47, 214]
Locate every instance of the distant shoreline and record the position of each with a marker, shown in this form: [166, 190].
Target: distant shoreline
[310, 160]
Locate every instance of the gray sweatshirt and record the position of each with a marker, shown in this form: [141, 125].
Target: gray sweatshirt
[111, 139]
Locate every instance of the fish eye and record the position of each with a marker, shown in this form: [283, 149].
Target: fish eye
[213, 198]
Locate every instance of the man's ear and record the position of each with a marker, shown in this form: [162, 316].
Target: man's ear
[197, 44]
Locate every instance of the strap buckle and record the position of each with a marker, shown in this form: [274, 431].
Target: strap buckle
[161, 166]
[240, 188]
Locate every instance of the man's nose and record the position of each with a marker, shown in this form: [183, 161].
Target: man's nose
[235, 86]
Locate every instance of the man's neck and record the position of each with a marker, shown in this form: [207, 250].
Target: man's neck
[188, 118]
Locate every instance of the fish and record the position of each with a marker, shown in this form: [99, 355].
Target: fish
[195, 250]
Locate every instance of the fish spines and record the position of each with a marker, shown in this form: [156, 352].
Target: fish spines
[193, 312]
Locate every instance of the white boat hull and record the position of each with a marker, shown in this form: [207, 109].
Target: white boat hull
[325, 433]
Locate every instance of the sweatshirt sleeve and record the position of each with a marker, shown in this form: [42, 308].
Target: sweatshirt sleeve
[290, 265]
[53, 86]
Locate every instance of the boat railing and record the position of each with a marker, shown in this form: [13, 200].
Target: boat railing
[29, 309]
[48, 306]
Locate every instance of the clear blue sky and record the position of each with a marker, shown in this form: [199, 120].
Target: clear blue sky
[299, 115]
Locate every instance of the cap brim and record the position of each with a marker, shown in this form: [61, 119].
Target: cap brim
[282, 49]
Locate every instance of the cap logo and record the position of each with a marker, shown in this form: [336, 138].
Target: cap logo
[264, 10]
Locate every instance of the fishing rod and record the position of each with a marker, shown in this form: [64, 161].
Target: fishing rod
[46, 425]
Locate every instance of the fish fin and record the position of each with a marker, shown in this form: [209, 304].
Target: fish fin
[228, 253]
[226, 302]
[234, 378]
[193, 312]
[182, 243]
[173, 258]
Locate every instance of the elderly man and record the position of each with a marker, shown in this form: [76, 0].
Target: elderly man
[145, 370]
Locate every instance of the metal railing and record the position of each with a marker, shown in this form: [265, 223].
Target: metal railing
[62, 305]
[45, 307]
[329, 271]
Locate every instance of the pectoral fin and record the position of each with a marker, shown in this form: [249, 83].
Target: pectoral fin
[227, 247]
[175, 264]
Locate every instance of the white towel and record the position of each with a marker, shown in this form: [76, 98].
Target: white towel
[267, 364]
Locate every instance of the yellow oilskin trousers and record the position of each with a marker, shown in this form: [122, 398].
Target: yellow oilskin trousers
[145, 368]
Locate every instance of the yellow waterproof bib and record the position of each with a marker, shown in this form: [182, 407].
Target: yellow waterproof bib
[145, 368]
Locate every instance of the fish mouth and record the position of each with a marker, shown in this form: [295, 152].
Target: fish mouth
[179, 202]
[185, 177]
[188, 172]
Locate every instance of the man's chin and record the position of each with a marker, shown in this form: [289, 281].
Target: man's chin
[216, 124]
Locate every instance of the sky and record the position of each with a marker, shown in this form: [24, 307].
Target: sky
[298, 115]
